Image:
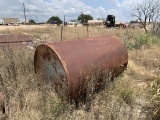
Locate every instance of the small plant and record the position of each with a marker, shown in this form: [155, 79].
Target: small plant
[155, 91]
[126, 95]
[130, 45]
[142, 40]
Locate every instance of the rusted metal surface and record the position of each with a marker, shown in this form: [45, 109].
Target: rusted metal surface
[16, 40]
[67, 64]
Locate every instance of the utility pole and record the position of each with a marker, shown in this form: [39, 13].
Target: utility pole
[83, 19]
[64, 21]
[36, 19]
[24, 13]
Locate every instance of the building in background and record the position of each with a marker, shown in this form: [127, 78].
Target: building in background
[9, 21]
[1, 21]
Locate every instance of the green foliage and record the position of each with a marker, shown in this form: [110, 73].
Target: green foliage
[130, 45]
[143, 40]
[31, 21]
[55, 18]
[83, 18]
[126, 95]
[73, 20]
[101, 19]
[134, 21]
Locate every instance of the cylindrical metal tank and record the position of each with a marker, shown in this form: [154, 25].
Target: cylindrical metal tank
[67, 64]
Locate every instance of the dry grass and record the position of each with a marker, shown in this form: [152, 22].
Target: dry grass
[126, 98]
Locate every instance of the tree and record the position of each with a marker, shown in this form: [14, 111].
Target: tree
[54, 20]
[101, 19]
[31, 21]
[147, 11]
[83, 18]
[73, 20]
[134, 21]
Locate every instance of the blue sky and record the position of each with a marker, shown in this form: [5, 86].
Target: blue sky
[108, 4]
[44, 9]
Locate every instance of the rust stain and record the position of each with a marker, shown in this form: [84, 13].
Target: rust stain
[47, 56]
[80, 59]
[16, 40]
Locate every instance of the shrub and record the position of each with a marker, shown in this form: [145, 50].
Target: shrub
[31, 21]
[126, 95]
[143, 40]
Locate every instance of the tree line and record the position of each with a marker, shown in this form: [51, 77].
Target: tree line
[147, 11]
[82, 18]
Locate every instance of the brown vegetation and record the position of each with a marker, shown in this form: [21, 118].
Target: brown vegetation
[131, 96]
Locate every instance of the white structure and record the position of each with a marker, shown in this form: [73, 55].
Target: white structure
[71, 24]
[95, 22]
[1, 21]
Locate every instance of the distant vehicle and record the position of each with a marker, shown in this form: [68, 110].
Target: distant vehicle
[15, 23]
[54, 22]
[120, 24]
[1, 22]
[110, 22]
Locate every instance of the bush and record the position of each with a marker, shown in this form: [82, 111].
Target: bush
[31, 21]
[130, 45]
[126, 95]
[143, 40]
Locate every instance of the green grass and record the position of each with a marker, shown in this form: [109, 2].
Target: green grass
[143, 40]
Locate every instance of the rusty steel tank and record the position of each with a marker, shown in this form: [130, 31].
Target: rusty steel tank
[67, 64]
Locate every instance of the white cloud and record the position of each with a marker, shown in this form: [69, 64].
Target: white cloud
[44, 9]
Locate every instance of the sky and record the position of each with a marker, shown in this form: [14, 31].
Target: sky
[42, 10]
